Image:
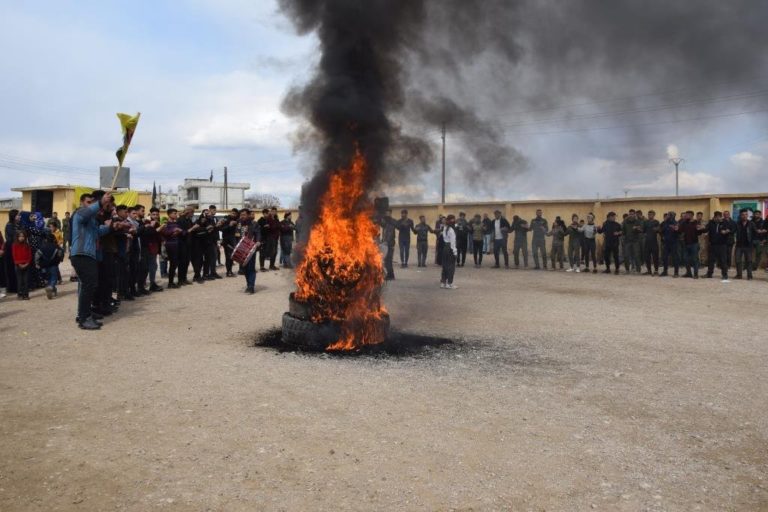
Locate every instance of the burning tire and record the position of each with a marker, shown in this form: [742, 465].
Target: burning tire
[308, 335]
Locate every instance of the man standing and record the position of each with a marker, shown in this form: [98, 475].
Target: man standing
[760, 239]
[670, 237]
[287, 227]
[632, 230]
[152, 244]
[487, 234]
[211, 246]
[185, 244]
[745, 238]
[731, 241]
[85, 235]
[65, 231]
[273, 237]
[717, 232]
[520, 243]
[540, 228]
[476, 228]
[690, 231]
[173, 235]
[388, 228]
[611, 231]
[422, 230]
[590, 242]
[651, 245]
[500, 231]
[462, 230]
[54, 221]
[229, 231]
[404, 226]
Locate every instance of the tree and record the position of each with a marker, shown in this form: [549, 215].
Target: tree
[261, 201]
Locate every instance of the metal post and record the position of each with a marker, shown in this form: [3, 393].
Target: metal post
[442, 201]
[226, 190]
[676, 162]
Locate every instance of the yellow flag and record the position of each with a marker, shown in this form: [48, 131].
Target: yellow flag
[128, 125]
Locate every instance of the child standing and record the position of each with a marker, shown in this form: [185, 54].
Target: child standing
[47, 258]
[22, 259]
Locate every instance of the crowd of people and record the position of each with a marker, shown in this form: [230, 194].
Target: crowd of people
[637, 241]
[118, 253]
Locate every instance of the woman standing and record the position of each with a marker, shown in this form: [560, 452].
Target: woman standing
[450, 251]
[13, 225]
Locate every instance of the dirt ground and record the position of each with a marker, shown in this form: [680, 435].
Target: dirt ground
[561, 392]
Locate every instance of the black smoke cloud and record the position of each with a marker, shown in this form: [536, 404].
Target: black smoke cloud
[392, 71]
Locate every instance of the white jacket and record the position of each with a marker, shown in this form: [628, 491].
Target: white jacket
[449, 237]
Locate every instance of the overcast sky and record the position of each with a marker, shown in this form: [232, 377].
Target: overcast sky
[209, 77]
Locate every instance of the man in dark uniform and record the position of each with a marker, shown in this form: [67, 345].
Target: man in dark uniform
[540, 227]
[422, 230]
[760, 238]
[404, 226]
[745, 238]
[670, 236]
[185, 244]
[689, 228]
[520, 243]
[731, 241]
[718, 232]
[611, 231]
[651, 245]
[388, 228]
[228, 227]
[462, 231]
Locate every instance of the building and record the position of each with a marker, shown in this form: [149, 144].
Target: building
[65, 198]
[10, 203]
[199, 193]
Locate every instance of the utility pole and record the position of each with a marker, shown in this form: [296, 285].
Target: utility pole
[443, 187]
[677, 162]
[226, 190]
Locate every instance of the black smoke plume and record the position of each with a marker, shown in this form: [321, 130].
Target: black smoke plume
[392, 71]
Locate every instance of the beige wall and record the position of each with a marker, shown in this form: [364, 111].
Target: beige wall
[565, 208]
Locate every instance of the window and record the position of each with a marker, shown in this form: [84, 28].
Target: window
[192, 194]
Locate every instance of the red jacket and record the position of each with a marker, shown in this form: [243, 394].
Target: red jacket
[22, 253]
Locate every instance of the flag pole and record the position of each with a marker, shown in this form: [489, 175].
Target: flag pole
[120, 164]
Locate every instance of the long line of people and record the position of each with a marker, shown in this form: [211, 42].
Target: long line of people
[118, 251]
[636, 241]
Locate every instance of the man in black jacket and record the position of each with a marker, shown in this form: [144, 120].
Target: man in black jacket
[462, 232]
[520, 242]
[745, 236]
[611, 231]
[731, 225]
[229, 231]
[500, 231]
[718, 233]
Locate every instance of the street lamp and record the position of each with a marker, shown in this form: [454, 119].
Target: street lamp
[677, 162]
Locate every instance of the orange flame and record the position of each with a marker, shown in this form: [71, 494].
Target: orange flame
[341, 273]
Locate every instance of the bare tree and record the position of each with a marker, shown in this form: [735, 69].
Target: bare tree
[259, 201]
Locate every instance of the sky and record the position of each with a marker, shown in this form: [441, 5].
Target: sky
[209, 77]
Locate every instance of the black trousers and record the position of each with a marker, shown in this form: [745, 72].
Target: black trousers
[717, 256]
[88, 275]
[22, 280]
[729, 255]
[611, 251]
[210, 257]
[229, 248]
[439, 251]
[449, 265]
[184, 249]
[133, 270]
[461, 249]
[196, 257]
[141, 278]
[744, 260]
[590, 249]
[500, 246]
[390, 270]
[172, 252]
[422, 247]
[520, 246]
[651, 256]
[477, 252]
[106, 279]
[121, 274]
[269, 250]
[671, 250]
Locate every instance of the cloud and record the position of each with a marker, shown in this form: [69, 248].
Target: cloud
[748, 161]
[690, 183]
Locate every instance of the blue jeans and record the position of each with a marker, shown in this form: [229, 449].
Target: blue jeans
[692, 257]
[487, 244]
[250, 272]
[52, 274]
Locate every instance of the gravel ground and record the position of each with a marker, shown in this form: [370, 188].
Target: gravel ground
[560, 392]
